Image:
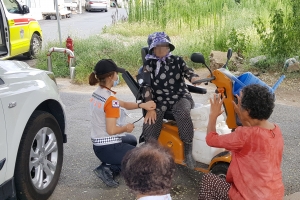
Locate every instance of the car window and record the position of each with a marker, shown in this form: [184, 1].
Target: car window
[12, 6]
[1, 82]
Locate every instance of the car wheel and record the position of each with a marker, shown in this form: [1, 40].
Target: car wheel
[35, 46]
[106, 10]
[220, 169]
[40, 157]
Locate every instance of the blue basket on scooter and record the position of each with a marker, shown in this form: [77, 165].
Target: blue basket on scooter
[248, 78]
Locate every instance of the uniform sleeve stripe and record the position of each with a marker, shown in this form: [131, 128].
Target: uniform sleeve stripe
[98, 97]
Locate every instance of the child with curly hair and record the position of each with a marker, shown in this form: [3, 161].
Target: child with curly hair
[148, 171]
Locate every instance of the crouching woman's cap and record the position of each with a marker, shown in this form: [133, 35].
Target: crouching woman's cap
[105, 66]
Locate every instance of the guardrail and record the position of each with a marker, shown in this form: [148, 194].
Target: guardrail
[61, 50]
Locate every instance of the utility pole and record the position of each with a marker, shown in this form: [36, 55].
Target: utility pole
[58, 21]
[80, 7]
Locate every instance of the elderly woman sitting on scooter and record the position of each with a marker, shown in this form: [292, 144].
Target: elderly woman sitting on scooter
[166, 87]
[148, 171]
[256, 148]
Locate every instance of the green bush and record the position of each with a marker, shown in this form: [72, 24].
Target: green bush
[275, 41]
[280, 36]
[238, 42]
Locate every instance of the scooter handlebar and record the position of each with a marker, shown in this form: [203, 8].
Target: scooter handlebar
[197, 90]
[204, 80]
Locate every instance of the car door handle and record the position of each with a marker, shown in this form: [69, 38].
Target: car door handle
[12, 104]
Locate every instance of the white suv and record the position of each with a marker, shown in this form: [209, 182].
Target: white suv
[32, 132]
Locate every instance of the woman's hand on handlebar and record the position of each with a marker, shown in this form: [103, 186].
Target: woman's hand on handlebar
[195, 79]
[149, 105]
[199, 80]
[150, 117]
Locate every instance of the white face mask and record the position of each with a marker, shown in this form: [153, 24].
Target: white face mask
[116, 82]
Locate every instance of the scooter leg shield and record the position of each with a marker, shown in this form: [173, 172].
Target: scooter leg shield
[169, 137]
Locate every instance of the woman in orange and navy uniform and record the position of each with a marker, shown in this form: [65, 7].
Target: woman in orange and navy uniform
[108, 126]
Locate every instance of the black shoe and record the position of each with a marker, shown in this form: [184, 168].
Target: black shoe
[188, 157]
[105, 174]
[115, 170]
[141, 139]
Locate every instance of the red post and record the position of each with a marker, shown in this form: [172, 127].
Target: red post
[69, 45]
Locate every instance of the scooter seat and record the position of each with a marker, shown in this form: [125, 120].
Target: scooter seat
[169, 115]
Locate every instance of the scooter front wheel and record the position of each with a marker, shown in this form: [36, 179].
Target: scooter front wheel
[220, 169]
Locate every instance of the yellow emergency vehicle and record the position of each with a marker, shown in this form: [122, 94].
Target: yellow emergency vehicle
[20, 33]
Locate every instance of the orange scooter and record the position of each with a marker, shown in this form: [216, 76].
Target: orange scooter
[209, 159]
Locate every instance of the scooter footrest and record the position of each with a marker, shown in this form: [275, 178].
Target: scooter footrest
[201, 165]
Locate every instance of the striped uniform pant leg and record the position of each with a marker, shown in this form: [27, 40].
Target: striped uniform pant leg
[182, 114]
[213, 187]
[152, 131]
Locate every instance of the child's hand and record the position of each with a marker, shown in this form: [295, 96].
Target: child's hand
[215, 105]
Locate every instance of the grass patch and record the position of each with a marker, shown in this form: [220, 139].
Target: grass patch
[193, 26]
[125, 50]
[88, 52]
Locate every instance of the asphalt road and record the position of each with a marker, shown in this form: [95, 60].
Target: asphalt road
[78, 26]
[77, 180]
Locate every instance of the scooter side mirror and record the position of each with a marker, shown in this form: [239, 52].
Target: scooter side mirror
[198, 58]
[229, 54]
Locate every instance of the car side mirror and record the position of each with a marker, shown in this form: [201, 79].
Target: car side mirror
[25, 9]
